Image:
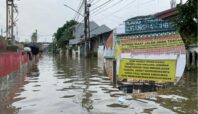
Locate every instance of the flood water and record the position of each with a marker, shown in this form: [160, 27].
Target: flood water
[62, 85]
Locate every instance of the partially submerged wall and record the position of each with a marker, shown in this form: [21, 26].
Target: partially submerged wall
[109, 68]
[11, 61]
[3, 44]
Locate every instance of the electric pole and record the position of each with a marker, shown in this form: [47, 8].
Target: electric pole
[85, 21]
[86, 26]
[88, 17]
[10, 20]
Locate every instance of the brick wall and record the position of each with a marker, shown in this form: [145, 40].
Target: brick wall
[11, 61]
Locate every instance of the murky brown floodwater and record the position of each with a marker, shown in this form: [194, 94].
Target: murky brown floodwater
[61, 85]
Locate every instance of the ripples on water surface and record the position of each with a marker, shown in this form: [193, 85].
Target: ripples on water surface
[61, 85]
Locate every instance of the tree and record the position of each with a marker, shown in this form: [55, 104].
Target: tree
[64, 33]
[34, 36]
[186, 21]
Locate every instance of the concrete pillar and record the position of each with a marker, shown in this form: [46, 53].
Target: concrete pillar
[188, 59]
[196, 57]
[193, 59]
[67, 52]
[60, 52]
[78, 51]
[72, 53]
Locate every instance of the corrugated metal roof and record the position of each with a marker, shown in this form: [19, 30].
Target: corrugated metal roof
[74, 41]
[79, 29]
[100, 30]
[94, 31]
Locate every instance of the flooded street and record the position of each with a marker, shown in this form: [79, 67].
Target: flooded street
[62, 85]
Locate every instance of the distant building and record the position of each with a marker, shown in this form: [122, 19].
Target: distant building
[34, 37]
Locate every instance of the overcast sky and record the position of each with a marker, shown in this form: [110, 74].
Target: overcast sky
[48, 15]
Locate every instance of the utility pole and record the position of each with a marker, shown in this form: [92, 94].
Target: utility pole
[88, 17]
[10, 20]
[7, 30]
[86, 27]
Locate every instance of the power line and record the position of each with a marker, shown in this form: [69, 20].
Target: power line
[112, 18]
[120, 9]
[78, 8]
[104, 4]
[94, 3]
[149, 1]
[76, 17]
[125, 6]
[91, 1]
[73, 10]
[113, 5]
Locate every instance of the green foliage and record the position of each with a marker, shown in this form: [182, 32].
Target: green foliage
[64, 33]
[193, 68]
[186, 21]
[34, 36]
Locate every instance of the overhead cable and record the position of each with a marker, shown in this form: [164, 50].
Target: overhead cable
[73, 10]
[113, 5]
[105, 3]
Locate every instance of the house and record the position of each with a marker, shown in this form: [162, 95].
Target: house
[98, 36]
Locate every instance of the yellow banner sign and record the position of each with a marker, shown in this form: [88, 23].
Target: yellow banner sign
[147, 70]
[171, 44]
[152, 43]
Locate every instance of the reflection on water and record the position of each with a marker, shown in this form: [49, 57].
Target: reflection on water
[187, 87]
[63, 85]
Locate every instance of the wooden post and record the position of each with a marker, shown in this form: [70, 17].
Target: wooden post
[12, 22]
[114, 74]
[6, 19]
